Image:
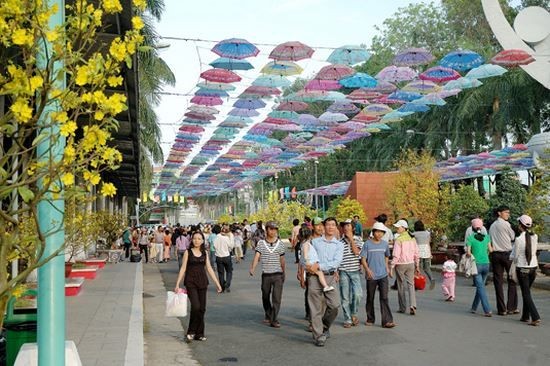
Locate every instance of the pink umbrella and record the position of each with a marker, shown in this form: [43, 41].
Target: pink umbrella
[291, 51]
[365, 118]
[384, 87]
[261, 90]
[210, 101]
[396, 74]
[362, 94]
[294, 106]
[439, 74]
[317, 84]
[220, 76]
[334, 72]
[448, 93]
[512, 58]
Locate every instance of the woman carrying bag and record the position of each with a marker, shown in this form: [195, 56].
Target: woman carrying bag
[524, 256]
[193, 272]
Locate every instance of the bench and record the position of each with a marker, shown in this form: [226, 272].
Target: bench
[73, 285]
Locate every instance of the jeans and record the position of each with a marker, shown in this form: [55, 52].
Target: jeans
[501, 263]
[180, 257]
[526, 277]
[127, 250]
[385, 311]
[225, 271]
[481, 293]
[213, 259]
[350, 293]
[272, 292]
[425, 264]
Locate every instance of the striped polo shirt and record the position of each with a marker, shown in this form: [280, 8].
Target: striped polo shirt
[351, 262]
[271, 256]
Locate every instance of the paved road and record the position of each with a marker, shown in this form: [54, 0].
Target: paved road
[441, 333]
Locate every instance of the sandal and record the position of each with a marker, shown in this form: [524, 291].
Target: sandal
[535, 323]
[389, 325]
[347, 325]
[369, 324]
[354, 321]
[189, 338]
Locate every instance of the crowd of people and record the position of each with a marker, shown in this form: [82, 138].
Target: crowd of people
[332, 257]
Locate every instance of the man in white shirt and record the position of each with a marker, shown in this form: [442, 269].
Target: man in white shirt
[223, 246]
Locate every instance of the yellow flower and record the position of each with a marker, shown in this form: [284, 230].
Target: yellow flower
[99, 98]
[117, 103]
[60, 117]
[99, 115]
[70, 152]
[137, 23]
[21, 110]
[35, 83]
[140, 4]
[118, 49]
[92, 177]
[68, 179]
[52, 35]
[93, 136]
[81, 75]
[68, 129]
[108, 189]
[114, 80]
[22, 37]
[112, 6]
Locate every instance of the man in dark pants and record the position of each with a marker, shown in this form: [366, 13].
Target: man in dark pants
[271, 250]
[502, 236]
[223, 245]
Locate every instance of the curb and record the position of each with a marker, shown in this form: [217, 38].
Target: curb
[134, 347]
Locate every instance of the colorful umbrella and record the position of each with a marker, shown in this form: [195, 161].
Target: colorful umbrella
[317, 84]
[282, 68]
[200, 116]
[359, 80]
[439, 74]
[243, 112]
[448, 93]
[413, 57]
[414, 107]
[235, 48]
[349, 55]
[231, 64]
[333, 117]
[364, 117]
[211, 93]
[343, 106]
[334, 72]
[220, 76]
[203, 109]
[462, 83]
[421, 86]
[272, 81]
[294, 106]
[249, 104]
[377, 109]
[396, 74]
[394, 116]
[215, 86]
[210, 101]
[430, 99]
[404, 96]
[485, 71]
[363, 94]
[284, 114]
[461, 60]
[262, 91]
[291, 51]
[512, 58]
[384, 87]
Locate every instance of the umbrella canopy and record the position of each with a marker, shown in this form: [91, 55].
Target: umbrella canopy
[343, 106]
[203, 109]
[234, 124]
[333, 117]
[249, 104]
[363, 94]
[359, 80]
[334, 72]
[317, 84]
[404, 96]
[396, 74]
[512, 58]
[414, 107]
[462, 60]
[243, 112]
[272, 81]
[462, 83]
[421, 86]
[394, 116]
[295, 106]
[291, 51]
[284, 114]
[282, 68]
[262, 91]
[448, 93]
[235, 48]
[220, 76]
[384, 87]
[364, 117]
[413, 57]
[377, 109]
[430, 99]
[210, 101]
[231, 64]
[439, 74]
[200, 116]
[349, 55]
[485, 71]
[211, 93]
[215, 86]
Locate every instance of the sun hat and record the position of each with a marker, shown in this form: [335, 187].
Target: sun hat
[477, 223]
[401, 223]
[346, 221]
[379, 226]
[527, 221]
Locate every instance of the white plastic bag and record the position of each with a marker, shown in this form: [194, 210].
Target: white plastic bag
[176, 304]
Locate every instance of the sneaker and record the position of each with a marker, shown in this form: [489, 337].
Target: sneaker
[320, 342]
[326, 334]
[189, 338]
[328, 288]
[203, 338]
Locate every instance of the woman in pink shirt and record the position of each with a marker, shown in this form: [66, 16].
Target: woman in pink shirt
[405, 260]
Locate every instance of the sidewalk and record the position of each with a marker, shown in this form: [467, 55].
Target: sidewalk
[106, 319]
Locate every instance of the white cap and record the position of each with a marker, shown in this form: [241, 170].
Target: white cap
[527, 221]
[379, 226]
[401, 223]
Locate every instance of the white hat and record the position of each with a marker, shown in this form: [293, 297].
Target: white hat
[527, 221]
[379, 226]
[401, 223]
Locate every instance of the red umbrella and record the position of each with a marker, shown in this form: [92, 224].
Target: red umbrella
[200, 116]
[191, 129]
[317, 84]
[261, 90]
[202, 100]
[439, 74]
[220, 76]
[334, 72]
[294, 106]
[512, 58]
[360, 94]
[291, 51]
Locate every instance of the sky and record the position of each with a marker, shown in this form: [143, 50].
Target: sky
[321, 24]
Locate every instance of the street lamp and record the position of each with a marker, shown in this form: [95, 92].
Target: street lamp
[316, 162]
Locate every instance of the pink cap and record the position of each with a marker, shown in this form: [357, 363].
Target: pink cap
[477, 223]
[527, 221]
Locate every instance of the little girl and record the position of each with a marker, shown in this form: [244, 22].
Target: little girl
[309, 256]
[449, 278]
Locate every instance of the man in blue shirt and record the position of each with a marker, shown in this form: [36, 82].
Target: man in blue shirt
[330, 251]
[357, 227]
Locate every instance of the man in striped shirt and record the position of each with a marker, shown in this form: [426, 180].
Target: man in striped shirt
[271, 250]
[350, 275]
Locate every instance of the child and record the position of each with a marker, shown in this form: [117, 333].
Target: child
[238, 238]
[449, 278]
[309, 256]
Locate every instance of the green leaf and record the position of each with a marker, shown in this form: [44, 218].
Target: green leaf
[26, 193]
[128, 61]
[38, 139]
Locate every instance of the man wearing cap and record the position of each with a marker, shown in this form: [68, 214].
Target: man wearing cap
[330, 251]
[502, 236]
[271, 250]
[350, 275]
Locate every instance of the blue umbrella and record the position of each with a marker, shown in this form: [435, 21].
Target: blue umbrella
[235, 48]
[291, 115]
[231, 64]
[272, 81]
[412, 107]
[404, 96]
[238, 119]
[249, 104]
[485, 71]
[211, 93]
[462, 60]
[359, 80]
[349, 55]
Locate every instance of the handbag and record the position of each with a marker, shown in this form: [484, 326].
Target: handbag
[176, 303]
[419, 282]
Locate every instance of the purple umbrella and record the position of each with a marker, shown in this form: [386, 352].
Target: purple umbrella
[384, 87]
[243, 112]
[249, 104]
[396, 74]
[343, 106]
[413, 57]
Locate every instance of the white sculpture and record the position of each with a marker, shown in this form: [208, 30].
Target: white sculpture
[531, 33]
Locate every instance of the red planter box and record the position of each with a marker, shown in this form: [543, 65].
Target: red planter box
[73, 286]
[94, 262]
[87, 273]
